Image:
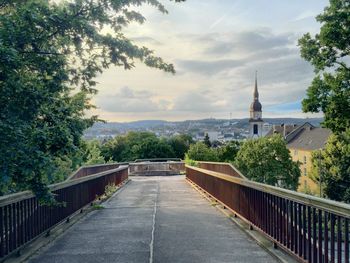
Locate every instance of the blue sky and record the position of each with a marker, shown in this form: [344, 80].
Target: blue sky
[216, 46]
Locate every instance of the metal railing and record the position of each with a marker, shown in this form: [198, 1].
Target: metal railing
[158, 160]
[311, 229]
[156, 168]
[93, 169]
[22, 218]
[225, 168]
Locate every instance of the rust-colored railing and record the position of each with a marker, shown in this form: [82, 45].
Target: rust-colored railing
[156, 168]
[22, 218]
[93, 169]
[225, 168]
[311, 229]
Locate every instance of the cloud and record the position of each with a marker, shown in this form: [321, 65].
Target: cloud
[146, 40]
[198, 101]
[247, 42]
[286, 107]
[128, 100]
[128, 93]
[215, 71]
[305, 15]
[208, 66]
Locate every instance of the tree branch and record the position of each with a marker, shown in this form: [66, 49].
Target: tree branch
[342, 64]
[41, 53]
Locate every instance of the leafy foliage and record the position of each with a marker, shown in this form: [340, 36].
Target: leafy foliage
[228, 152]
[92, 154]
[207, 140]
[334, 163]
[201, 152]
[50, 53]
[144, 145]
[180, 144]
[328, 51]
[267, 160]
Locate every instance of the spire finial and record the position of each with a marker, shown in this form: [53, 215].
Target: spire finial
[256, 93]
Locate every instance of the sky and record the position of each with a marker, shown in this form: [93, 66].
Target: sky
[216, 47]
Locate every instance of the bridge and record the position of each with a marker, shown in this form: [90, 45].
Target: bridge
[168, 212]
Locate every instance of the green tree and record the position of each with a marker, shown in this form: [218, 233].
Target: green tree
[92, 153]
[126, 148]
[328, 51]
[154, 148]
[143, 145]
[48, 49]
[180, 144]
[228, 152]
[207, 140]
[267, 160]
[334, 163]
[201, 152]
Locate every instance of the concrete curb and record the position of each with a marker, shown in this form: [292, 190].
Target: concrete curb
[41, 241]
[263, 242]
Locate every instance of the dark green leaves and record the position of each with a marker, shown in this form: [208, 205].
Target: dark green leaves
[329, 53]
[48, 52]
[267, 160]
[334, 164]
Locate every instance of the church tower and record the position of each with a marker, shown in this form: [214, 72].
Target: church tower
[256, 122]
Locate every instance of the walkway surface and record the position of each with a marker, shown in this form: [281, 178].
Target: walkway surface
[154, 219]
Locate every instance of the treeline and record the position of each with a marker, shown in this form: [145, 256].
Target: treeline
[265, 160]
[144, 145]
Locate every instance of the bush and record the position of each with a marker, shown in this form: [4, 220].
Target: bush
[201, 152]
[267, 160]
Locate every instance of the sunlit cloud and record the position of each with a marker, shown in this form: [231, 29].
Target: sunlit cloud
[216, 46]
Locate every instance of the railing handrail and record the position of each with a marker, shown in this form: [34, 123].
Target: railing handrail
[92, 166]
[228, 164]
[335, 207]
[150, 163]
[16, 197]
[161, 160]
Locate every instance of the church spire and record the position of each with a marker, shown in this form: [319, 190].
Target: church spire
[256, 122]
[256, 105]
[256, 93]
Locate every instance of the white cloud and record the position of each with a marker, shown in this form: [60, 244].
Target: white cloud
[215, 65]
[128, 100]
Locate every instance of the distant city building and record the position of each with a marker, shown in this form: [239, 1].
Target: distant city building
[256, 122]
[266, 128]
[213, 136]
[301, 141]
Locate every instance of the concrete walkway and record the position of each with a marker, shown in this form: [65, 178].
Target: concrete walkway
[154, 219]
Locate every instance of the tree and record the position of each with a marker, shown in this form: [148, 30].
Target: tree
[267, 160]
[201, 152]
[207, 140]
[334, 163]
[328, 51]
[152, 148]
[126, 148]
[144, 145]
[228, 152]
[48, 49]
[180, 144]
[92, 153]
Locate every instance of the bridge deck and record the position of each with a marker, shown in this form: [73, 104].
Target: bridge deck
[154, 219]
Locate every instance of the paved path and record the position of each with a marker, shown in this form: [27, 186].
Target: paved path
[154, 219]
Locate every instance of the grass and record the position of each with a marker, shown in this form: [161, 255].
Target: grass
[97, 207]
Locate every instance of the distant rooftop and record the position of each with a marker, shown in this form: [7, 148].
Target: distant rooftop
[306, 136]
